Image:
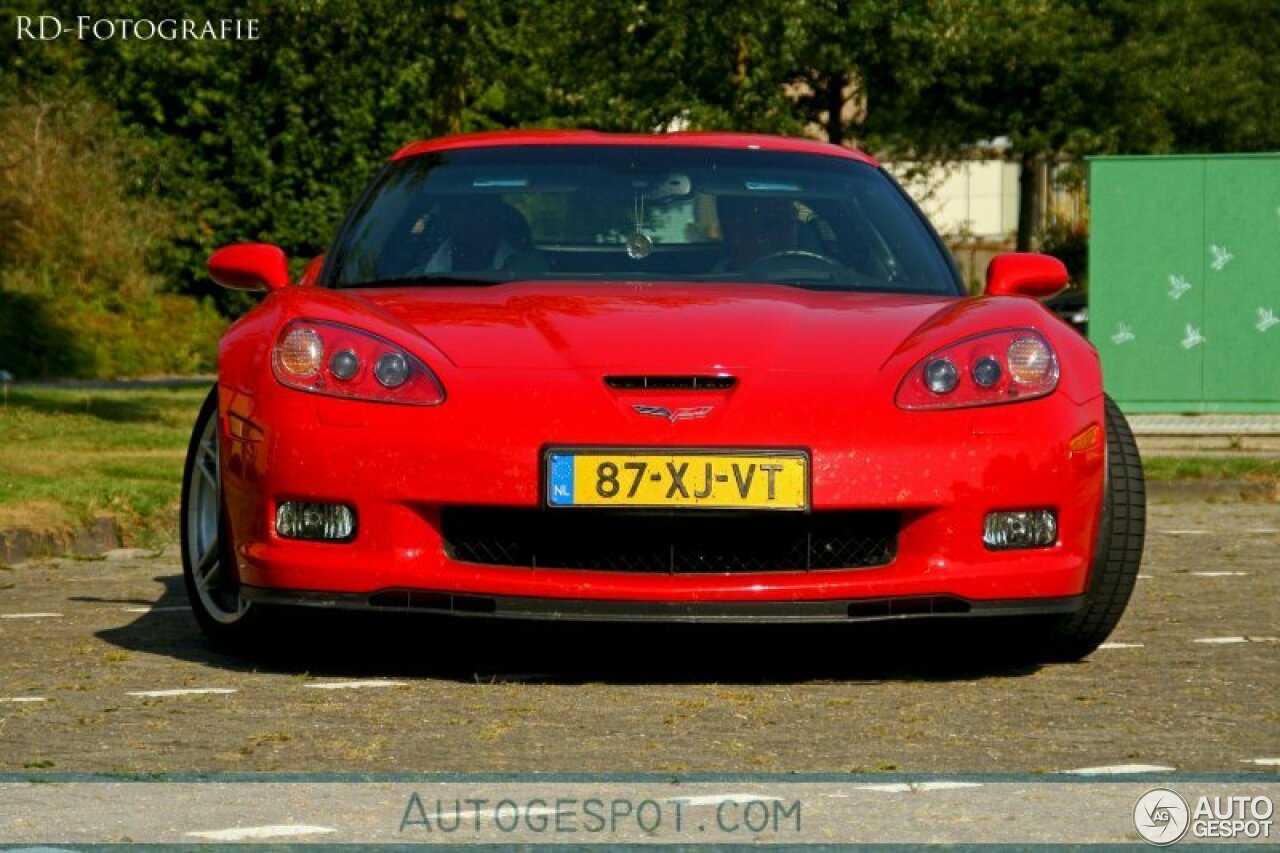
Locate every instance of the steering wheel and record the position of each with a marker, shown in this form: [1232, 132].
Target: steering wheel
[792, 262]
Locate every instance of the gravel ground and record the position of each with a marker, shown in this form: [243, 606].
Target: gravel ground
[1190, 681]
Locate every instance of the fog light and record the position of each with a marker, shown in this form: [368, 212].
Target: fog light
[329, 522]
[1034, 528]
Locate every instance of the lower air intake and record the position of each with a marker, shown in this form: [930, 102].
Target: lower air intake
[689, 543]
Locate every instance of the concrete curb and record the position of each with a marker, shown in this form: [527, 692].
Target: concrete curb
[1212, 491]
[24, 543]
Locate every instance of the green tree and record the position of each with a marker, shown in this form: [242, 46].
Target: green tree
[271, 139]
[855, 61]
[1098, 76]
[1214, 69]
[647, 65]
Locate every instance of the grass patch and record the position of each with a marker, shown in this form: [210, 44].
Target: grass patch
[1165, 468]
[68, 455]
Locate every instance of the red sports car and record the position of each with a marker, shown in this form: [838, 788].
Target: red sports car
[692, 376]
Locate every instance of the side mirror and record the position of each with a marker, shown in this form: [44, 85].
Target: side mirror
[1025, 274]
[250, 266]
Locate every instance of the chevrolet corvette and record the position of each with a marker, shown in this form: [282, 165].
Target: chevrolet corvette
[690, 376]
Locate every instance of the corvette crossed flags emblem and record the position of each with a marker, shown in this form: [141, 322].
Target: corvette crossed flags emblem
[685, 414]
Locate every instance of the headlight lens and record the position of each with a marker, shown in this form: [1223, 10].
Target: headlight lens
[998, 367]
[299, 361]
[344, 365]
[941, 376]
[1031, 362]
[300, 352]
[986, 371]
[391, 370]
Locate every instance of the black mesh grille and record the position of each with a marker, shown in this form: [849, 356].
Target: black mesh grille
[690, 543]
[670, 383]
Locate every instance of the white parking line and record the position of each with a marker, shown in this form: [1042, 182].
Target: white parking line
[352, 685]
[245, 833]
[1264, 530]
[25, 699]
[717, 799]
[188, 691]
[166, 609]
[913, 787]
[29, 615]
[1222, 640]
[1188, 532]
[1144, 577]
[1219, 574]
[129, 553]
[1117, 769]
[1121, 646]
[1265, 762]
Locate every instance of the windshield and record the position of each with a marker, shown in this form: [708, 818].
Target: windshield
[635, 213]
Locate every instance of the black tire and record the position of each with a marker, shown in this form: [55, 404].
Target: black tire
[1121, 533]
[218, 611]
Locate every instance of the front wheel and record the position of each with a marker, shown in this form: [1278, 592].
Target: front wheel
[1121, 533]
[228, 619]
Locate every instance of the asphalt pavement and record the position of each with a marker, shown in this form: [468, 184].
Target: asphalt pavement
[102, 669]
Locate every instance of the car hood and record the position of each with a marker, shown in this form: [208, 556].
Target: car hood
[659, 327]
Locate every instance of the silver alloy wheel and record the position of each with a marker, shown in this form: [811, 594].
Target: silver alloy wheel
[219, 599]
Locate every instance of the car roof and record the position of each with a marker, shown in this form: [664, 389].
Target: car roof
[687, 138]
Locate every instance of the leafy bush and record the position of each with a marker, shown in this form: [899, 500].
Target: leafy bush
[77, 225]
[1068, 241]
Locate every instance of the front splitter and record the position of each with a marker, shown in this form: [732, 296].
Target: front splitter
[593, 610]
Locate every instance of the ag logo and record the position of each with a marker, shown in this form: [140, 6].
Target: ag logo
[1161, 816]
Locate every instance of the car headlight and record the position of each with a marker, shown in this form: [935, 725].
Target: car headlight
[340, 361]
[997, 367]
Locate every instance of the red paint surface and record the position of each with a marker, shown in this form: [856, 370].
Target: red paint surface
[250, 266]
[699, 139]
[522, 366]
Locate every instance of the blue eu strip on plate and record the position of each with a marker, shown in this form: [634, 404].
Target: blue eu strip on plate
[561, 481]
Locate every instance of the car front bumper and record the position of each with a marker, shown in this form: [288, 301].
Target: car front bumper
[399, 467]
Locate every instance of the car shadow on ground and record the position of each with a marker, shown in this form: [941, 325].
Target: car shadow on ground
[332, 644]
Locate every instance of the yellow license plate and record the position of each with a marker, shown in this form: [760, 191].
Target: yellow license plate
[764, 480]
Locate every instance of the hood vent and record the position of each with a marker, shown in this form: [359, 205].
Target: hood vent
[671, 383]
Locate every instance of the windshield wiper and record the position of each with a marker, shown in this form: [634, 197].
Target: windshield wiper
[433, 280]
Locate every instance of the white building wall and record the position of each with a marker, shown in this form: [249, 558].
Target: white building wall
[972, 199]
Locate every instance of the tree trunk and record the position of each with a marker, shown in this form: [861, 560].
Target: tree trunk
[834, 97]
[1028, 201]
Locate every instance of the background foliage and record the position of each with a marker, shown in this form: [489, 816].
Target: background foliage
[153, 153]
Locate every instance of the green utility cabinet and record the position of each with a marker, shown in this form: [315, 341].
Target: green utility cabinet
[1184, 281]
